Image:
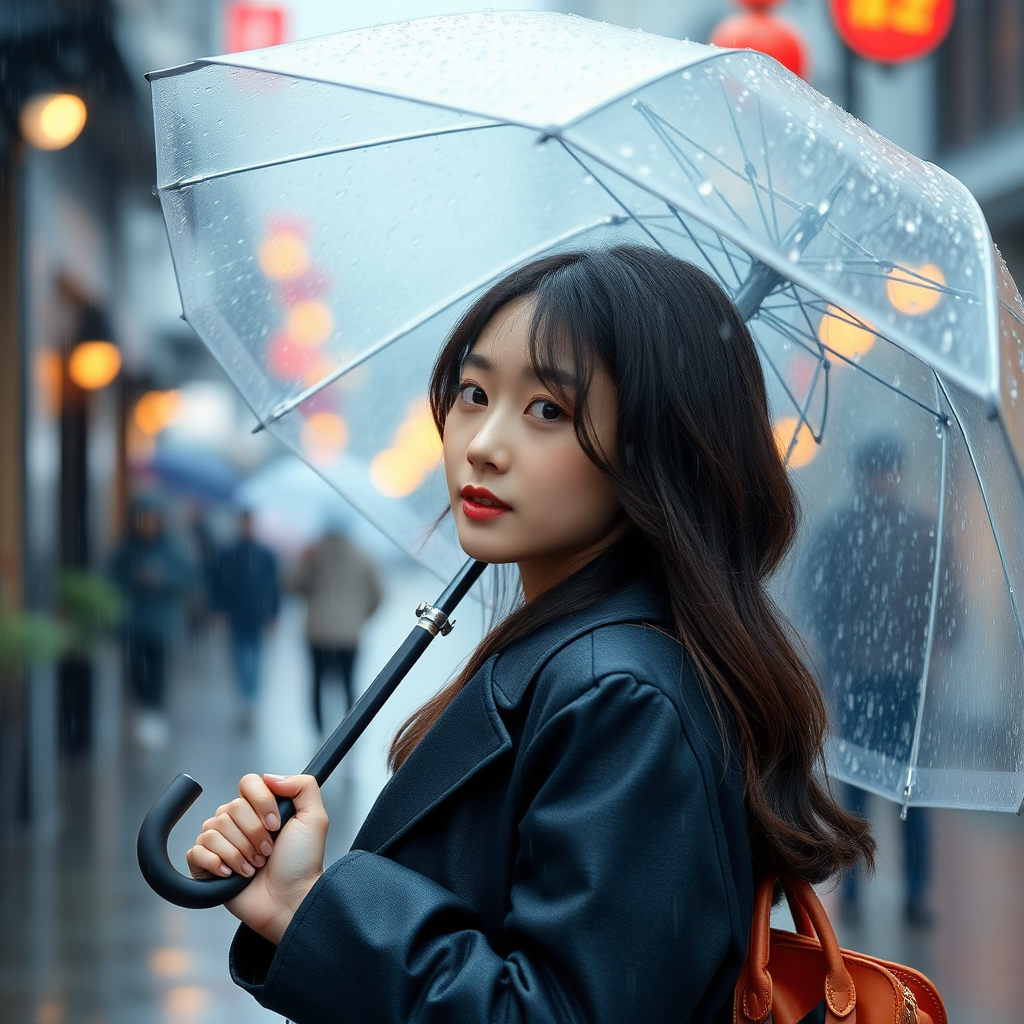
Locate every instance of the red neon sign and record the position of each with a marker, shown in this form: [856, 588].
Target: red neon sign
[252, 27]
[892, 31]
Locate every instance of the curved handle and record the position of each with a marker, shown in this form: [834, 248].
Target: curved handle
[164, 878]
[755, 989]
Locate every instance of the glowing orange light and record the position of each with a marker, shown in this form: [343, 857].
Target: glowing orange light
[94, 364]
[401, 469]
[156, 410]
[185, 1002]
[800, 452]
[309, 323]
[53, 120]
[169, 962]
[396, 473]
[910, 294]
[324, 437]
[288, 360]
[418, 435]
[283, 255]
[840, 332]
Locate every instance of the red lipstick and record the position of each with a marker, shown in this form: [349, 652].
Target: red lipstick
[478, 503]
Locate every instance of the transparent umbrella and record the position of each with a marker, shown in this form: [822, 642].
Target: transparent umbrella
[334, 204]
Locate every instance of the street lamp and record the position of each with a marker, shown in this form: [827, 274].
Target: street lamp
[52, 120]
[95, 361]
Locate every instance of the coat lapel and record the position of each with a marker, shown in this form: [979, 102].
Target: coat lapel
[468, 736]
[470, 733]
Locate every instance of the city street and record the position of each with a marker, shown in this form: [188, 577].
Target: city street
[85, 940]
[89, 943]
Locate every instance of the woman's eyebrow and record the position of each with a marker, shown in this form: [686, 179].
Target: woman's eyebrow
[477, 361]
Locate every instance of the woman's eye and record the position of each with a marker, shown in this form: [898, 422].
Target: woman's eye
[473, 394]
[543, 409]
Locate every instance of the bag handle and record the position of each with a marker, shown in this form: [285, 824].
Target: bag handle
[756, 999]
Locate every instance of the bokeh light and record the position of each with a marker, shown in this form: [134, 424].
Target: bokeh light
[94, 364]
[800, 452]
[401, 469]
[840, 332]
[324, 437]
[396, 472]
[53, 120]
[156, 410]
[185, 1003]
[288, 360]
[283, 255]
[909, 294]
[309, 323]
[169, 962]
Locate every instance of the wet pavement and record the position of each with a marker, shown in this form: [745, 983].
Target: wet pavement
[84, 941]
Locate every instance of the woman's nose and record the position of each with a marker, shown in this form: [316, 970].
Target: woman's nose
[490, 445]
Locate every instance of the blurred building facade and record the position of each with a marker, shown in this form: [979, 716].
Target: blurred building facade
[74, 220]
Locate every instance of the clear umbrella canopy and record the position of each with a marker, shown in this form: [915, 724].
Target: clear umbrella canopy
[334, 205]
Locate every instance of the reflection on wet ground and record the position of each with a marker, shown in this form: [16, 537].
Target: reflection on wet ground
[84, 941]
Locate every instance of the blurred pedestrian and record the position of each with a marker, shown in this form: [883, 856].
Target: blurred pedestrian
[870, 572]
[246, 592]
[342, 591]
[152, 574]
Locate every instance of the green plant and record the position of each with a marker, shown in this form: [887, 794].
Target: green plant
[89, 604]
[27, 638]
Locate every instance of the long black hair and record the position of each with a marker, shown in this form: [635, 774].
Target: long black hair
[713, 513]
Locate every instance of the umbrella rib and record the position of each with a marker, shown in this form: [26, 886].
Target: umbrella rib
[783, 327]
[658, 125]
[700, 248]
[988, 511]
[915, 747]
[293, 403]
[625, 209]
[198, 179]
[749, 170]
[1009, 309]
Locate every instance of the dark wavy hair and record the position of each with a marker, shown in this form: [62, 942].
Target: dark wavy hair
[713, 512]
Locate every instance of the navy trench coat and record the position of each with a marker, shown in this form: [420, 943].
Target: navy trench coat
[565, 845]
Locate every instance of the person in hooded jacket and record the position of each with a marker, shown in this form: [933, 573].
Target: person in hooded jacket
[575, 822]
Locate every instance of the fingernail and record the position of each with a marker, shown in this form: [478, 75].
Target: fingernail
[272, 822]
[225, 870]
[276, 778]
[266, 848]
[258, 860]
[247, 868]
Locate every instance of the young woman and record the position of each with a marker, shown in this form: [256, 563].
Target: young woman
[575, 823]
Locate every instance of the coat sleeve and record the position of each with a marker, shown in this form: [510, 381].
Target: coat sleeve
[618, 909]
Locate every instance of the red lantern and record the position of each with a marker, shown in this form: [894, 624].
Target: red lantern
[757, 29]
[891, 31]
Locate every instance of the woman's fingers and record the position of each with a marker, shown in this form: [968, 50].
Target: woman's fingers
[226, 824]
[303, 790]
[204, 863]
[230, 856]
[253, 789]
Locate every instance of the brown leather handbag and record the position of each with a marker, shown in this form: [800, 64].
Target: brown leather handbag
[803, 977]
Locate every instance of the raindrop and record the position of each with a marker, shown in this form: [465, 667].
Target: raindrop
[947, 341]
[896, 381]
[705, 188]
[938, 433]
[687, 76]
[643, 169]
[823, 207]
[793, 255]
[626, 151]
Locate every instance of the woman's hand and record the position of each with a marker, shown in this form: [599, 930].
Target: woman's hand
[239, 838]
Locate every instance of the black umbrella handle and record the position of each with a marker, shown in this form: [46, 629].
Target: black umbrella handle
[196, 894]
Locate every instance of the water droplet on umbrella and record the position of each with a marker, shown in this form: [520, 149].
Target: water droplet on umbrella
[705, 188]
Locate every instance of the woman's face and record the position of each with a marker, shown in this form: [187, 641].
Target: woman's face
[521, 487]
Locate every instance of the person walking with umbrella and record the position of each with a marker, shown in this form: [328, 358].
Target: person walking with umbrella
[342, 591]
[867, 603]
[246, 592]
[575, 822]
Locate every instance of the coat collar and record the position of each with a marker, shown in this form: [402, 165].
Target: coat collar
[470, 734]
